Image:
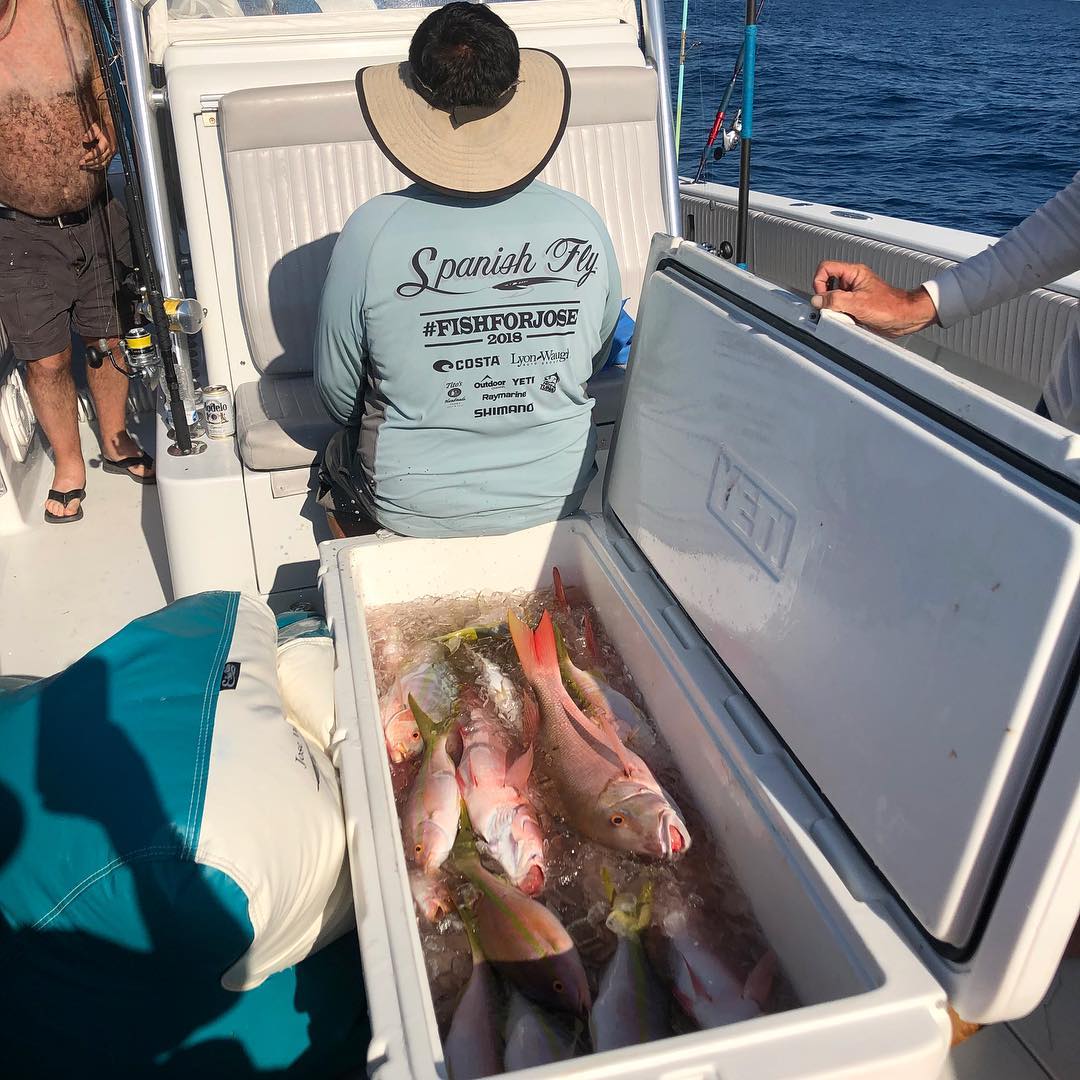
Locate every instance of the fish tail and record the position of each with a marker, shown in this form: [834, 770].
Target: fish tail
[560, 592]
[547, 652]
[524, 646]
[464, 854]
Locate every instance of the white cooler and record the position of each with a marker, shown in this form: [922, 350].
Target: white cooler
[848, 586]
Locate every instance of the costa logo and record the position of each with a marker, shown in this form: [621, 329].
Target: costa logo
[468, 364]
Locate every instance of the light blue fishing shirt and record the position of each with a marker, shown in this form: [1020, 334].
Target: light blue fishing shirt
[459, 336]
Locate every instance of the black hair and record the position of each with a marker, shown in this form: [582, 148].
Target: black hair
[464, 55]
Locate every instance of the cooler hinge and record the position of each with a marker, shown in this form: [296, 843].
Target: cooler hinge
[208, 109]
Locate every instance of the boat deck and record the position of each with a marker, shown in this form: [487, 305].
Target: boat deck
[67, 588]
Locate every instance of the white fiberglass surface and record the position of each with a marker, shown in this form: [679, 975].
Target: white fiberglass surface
[900, 606]
[66, 588]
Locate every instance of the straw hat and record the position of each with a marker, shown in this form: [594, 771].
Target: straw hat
[477, 153]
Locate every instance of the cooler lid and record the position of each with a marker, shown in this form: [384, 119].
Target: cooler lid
[897, 592]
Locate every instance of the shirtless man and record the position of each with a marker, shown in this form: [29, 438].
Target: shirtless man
[57, 263]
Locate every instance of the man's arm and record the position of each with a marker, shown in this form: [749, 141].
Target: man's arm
[1042, 248]
[100, 136]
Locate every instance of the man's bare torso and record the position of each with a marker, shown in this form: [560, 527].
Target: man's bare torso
[47, 104]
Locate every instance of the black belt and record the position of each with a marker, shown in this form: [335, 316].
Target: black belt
[60, 221]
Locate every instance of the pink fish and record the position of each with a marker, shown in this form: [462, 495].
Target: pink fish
[431, 814]
[608, 793]
[497, 797]
[431, 896]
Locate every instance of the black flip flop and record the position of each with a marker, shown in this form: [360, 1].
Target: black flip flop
[64, 498]
[124, 466]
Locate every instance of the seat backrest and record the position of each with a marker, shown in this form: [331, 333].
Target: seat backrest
[300, 159]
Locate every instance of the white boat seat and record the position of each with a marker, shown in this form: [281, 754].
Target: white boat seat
[300, 159]
[281, 423]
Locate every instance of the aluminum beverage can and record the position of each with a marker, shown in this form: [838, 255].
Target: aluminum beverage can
[218, 410]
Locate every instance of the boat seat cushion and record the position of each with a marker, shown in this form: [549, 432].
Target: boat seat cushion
[300, 159]
[281, 423]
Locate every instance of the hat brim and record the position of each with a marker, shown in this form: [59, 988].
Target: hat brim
[487, 153]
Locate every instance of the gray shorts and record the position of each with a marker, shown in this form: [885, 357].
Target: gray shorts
[54, 281]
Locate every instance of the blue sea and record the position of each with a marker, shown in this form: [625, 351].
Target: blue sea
[963, 113]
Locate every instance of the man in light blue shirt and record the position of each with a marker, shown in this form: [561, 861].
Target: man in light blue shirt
[462, 317]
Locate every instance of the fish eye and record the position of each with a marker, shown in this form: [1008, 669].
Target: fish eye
[418, 848]
[617, 819]
[558, 986]
[415, 735]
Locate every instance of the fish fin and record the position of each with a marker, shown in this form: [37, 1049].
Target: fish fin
[423, 721]
[517, 776]
[560, 592]
[472, 931]
[590, 637]
[530, 719]
[524, 646]
[611, 736]
[699, 987]
[560, 647]
[608, 883]
[645, 906]
[759, 982]
[464, 849]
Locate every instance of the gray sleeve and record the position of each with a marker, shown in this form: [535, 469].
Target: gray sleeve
[339, 334]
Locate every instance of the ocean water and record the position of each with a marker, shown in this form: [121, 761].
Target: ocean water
[964, 113]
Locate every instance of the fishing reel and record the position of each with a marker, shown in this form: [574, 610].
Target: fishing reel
[729, 138]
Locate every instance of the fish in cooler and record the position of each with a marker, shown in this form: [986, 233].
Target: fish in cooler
[431, 895]
[702, 982]
[535, 1037]
[431, 813]
[425, 673]
[608, 793]
[522, 938]
[632, 1006]
[497, 795]
[473, 1045]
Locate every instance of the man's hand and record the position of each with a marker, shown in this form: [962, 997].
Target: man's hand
[872, 302]
[99, 149]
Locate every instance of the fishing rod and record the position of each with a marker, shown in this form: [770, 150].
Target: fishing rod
[750, 48]
[721, 113]
[163, 349]
[682, 71]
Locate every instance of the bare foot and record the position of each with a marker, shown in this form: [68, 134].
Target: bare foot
[67, 478]
[118, 447]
